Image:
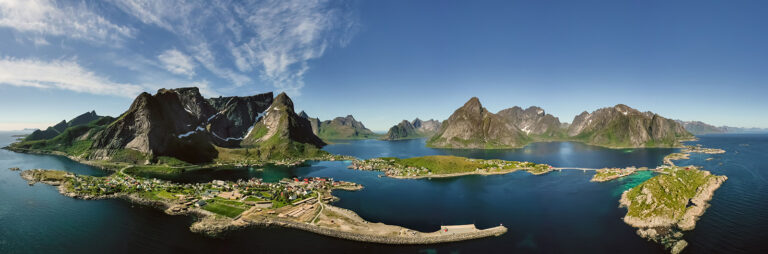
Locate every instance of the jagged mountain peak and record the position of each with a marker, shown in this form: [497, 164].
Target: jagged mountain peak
[282, 99]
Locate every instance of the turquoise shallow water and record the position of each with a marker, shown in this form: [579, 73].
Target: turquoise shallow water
[554, 213]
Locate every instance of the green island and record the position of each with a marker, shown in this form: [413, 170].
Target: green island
[445, 166]
[670, 202]
[607, 174]
[225, 205]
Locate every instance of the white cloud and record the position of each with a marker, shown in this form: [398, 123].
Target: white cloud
[176, 62]
[205, 57]
[44, 17]
[277, 38]
[65, 75]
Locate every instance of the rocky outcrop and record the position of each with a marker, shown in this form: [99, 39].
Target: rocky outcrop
[472, 126]
[415, 129]
[532, 121]
[622, 126]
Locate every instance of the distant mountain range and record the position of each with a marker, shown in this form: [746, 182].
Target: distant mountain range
[181, 124]
[59, 128]
[701, 128]
[339, 128]
[415, 129]
[473, 126]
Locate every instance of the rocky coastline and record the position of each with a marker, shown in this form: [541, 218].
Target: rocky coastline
[667, 229]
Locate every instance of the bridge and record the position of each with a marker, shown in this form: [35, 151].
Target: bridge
[573, 168]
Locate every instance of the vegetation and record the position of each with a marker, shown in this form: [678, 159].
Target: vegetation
[223, 209]
[443, 165]
[666, 195]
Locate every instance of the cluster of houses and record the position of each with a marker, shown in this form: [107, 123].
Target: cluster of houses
[251, 192]
[391, 168]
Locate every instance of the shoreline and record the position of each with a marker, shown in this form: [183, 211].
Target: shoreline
[213, 225]
[503, 172]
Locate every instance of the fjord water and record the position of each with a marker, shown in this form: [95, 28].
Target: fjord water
[557, 212]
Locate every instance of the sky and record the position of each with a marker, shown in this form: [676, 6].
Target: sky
[385, 61]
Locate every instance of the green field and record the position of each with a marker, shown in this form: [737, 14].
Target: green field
[223, 209]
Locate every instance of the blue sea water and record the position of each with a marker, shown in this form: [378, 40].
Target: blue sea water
[561, 212]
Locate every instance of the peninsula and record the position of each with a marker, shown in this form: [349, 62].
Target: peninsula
[437, 166]
[224, 205]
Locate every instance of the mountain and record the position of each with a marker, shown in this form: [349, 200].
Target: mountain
[472, 126]
[700, 128]
[532, 121]
[57, 129]
[282, 132]
[415, 129]
[339, 128]
[728, 129]
[234, 116]
[622, 126]
[170, 123]
[180, 123]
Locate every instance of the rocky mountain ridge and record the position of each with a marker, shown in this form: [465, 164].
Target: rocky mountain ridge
[472, 126]
[415, 129]
[339, 128]
[57, 129]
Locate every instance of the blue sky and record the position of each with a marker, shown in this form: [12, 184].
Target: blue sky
[384, 61]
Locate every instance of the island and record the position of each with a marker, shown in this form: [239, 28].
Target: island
[445, 166]
[607, 174]
[225, 205]
[670, 202]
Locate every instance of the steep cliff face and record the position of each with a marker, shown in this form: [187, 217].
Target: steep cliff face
[532, 121]
[233, 116]
[472, 126]
[170, 123]
[282, 132]
[415, 129]
[622, 126]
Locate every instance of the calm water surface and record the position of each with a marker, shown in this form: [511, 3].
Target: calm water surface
[554, 213]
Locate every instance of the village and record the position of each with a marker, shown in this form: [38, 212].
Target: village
[225, 198]
[445, 166]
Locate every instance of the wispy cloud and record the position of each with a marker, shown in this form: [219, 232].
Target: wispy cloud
[176, 62]
[275, 38]
[58, 74]
[43, 17]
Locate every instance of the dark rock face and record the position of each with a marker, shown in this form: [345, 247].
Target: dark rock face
[181, 123]
[57, 129]
[532, 121]
[235, 115]
[170, 123]
[415, 129]
[472, 126]
[282, 125]
[623, 126]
